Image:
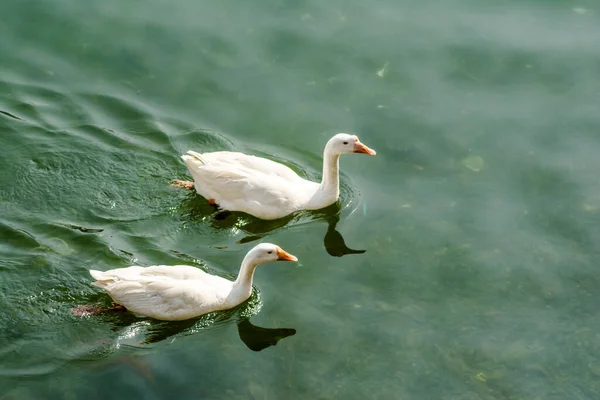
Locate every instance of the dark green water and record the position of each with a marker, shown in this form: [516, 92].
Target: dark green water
[480, 214]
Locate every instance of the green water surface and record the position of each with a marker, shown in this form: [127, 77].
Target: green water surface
[480, 214]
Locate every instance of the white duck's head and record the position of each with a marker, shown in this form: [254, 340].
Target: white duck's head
[267, 252]
[343, 143]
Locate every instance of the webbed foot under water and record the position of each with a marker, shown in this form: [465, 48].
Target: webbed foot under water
[87, 310]
[189, 185]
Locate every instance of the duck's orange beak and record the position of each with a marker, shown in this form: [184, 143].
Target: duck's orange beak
[283, 255]
[361, 148]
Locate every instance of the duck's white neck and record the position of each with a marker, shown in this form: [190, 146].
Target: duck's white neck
[329, 190]
[242, 287]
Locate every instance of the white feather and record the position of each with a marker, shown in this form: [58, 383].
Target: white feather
[181, 292]
[262, 187]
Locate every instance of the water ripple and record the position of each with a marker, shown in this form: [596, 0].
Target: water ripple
[85, 179]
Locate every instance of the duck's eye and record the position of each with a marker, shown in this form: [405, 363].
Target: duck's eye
[345, 142]
[270, 252]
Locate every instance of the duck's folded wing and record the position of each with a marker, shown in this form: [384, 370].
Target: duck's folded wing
[242, 186]
[235, 160]
[160, 298]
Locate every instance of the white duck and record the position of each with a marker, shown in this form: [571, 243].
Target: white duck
[264, 188]
[179, 292]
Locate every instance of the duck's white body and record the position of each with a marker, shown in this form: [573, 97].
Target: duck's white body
[265, 188]
[255, 185]
[180, 292]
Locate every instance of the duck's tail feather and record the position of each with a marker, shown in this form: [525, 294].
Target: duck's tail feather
[102, 279]
[192, 155]
[97, 275]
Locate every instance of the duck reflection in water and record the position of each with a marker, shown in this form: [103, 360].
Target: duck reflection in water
[256, 229]
[256, 338]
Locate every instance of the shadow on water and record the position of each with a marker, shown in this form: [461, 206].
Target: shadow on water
[256, 229]
[136, 331]
[334, 242]
[257, 338]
